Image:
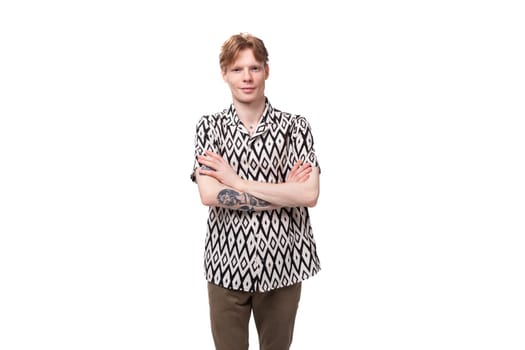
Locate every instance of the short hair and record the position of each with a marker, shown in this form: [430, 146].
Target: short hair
[238, 42]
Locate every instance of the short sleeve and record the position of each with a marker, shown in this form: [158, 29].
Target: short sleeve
[302, 145]
[205, 139]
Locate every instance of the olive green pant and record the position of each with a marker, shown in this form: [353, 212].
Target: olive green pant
[274, 314]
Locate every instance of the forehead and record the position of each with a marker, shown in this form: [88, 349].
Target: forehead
[245, 57]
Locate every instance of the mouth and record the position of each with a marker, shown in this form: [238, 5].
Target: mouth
[248, 89]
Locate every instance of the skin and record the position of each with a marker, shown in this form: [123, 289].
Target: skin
[219, 184]
[246, 78]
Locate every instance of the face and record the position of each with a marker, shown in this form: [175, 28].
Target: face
[246, 78]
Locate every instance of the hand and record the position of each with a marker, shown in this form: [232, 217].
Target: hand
[217, 167]
[300, 172]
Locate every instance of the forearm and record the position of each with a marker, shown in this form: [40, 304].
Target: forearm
[286, 194]
[301, 188]
[236, 200]
[216, 194]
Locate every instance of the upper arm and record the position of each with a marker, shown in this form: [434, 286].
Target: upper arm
[312, 187]
[302, 145]
[302, 148]
[205, 139]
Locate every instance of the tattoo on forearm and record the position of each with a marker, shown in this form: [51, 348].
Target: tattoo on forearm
[239, 200]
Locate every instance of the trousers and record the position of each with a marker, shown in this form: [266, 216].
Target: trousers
[274, 314]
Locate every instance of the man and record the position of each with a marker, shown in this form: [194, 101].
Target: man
[256, 169]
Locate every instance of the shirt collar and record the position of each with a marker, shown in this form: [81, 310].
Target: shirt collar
[268, 116]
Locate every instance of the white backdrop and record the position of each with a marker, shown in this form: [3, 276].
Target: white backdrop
[417, 111]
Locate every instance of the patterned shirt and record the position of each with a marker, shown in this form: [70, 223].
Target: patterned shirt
[258, 251]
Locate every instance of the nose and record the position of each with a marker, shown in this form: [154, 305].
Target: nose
[246, 75]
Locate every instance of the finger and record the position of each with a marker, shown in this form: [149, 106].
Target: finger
[305, 169]
[304, 178]
[204, 170]
[213, 155]
[295, 168]
[217, 159]
[209, 152]
[304, 173]
[204, 160]
[306, 165]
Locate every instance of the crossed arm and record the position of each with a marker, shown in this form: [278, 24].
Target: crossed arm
[219, 185]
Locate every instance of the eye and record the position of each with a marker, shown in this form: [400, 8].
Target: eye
[256, 68]
[236, 70]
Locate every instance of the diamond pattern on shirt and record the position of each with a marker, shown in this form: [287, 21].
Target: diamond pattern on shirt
[258, 251]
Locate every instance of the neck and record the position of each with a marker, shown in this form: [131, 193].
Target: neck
[250, 113]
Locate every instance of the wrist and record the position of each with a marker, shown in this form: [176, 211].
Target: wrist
[241, 185]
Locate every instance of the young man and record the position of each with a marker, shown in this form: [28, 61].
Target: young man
[257, 170]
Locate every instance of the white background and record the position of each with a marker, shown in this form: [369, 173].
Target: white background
[416, 108]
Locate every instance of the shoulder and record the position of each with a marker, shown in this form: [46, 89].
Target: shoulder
[295, 121]
[287, 117]
[214, 119]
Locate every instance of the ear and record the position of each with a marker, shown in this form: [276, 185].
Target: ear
[266, 71]
[223, 73]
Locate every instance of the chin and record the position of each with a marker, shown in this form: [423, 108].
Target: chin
[248, 99]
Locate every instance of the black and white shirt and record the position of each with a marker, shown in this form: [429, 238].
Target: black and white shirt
[258, 251]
